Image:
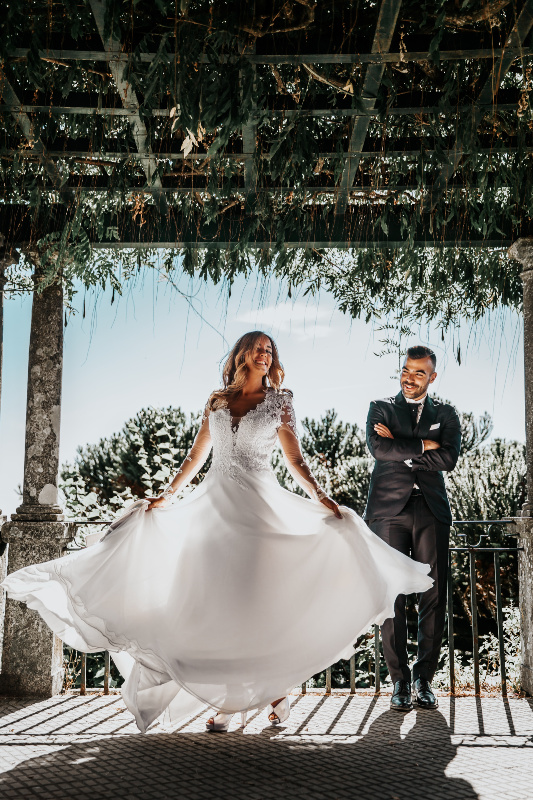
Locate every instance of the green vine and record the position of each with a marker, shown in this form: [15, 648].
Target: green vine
[199, 93]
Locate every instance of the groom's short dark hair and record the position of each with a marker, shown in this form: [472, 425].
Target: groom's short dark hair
[419, 351]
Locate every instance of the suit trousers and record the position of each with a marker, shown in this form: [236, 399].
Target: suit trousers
[416, 532]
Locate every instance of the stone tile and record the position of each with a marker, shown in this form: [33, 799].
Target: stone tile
[330, 748]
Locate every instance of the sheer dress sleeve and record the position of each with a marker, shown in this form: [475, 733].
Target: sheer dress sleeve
[294, 459]
[194, 460]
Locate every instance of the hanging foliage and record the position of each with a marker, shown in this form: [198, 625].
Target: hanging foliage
[220, 125]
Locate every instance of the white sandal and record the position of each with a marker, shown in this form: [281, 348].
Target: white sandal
[281, 711]
[220, 722]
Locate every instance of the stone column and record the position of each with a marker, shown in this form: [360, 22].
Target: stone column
[522, 251]
[6, 260]
[32, 662]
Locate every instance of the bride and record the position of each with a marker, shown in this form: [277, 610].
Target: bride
[238, 592]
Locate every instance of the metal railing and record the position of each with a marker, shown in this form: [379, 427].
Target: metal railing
[72, 526]
[474, 546]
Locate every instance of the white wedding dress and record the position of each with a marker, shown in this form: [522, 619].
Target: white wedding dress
[233, 595]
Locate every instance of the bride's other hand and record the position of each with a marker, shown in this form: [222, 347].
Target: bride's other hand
[332, 505]
[156, 502]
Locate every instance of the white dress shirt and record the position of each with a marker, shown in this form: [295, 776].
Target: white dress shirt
[420, 400]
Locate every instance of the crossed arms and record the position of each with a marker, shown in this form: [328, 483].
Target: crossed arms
[425, 454]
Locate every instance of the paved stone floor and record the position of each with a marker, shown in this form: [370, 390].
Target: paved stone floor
[331, 748]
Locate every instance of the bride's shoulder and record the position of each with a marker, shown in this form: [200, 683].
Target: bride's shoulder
[215, 401]
[282, 399]
[282, 393]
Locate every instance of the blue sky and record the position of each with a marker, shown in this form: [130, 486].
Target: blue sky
[153, 347]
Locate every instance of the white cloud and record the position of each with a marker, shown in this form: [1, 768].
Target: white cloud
[301, 320]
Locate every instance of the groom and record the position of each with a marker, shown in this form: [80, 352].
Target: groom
[413, 439]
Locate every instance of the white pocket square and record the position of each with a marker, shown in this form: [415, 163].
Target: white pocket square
[434, 426]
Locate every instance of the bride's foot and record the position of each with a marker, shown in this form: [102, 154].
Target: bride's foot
[281, 712]
[220, 722]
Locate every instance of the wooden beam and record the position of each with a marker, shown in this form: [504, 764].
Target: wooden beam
[128, 99]
[249, 149]
[38, 148]
[229, 229]
[402, 147]
[486, 97]
[366, 115]
[478, 182]
[388, 16]
[291, 58]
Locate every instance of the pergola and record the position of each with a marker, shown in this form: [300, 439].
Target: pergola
[270, 131]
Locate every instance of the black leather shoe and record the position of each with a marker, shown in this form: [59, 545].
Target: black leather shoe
[423, 694]
[401, 697]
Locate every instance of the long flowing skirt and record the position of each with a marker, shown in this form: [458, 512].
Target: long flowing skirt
[229, 598]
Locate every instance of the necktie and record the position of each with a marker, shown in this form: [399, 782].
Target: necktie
[415, 407]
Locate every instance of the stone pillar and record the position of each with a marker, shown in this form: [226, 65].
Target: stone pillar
[32, 662]
[6, 260]
[522, 251]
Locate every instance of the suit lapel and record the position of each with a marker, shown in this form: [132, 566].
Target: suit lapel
[429, 415]
[403, 414]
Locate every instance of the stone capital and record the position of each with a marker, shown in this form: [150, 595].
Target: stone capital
[524, 527]
[37, 532]
[35, 512]
[7, 258]
[522, 251]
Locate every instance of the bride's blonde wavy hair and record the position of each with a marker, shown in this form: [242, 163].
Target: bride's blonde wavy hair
[235, 370]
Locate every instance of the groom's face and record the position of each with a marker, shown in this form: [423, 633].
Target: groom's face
[417, 374]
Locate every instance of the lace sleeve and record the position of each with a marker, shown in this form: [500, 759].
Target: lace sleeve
[296, 464]
[194, 460]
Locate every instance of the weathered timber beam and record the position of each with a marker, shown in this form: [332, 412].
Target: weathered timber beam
[292, 58]
[365, 185]
[388, 16]
[313, 244]
[22, 120]
[249, 146]
[127, 96]
[286, 112]
[177, 230]
[404, 147]
[487, 96]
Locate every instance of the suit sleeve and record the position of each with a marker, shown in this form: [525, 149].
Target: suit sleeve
[445, 457]
[384, 449]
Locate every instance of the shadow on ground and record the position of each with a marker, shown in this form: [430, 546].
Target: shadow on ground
[377, 765]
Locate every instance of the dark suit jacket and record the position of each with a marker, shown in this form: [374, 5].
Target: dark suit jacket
[392, 479]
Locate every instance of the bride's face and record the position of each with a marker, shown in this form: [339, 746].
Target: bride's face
[259, 359]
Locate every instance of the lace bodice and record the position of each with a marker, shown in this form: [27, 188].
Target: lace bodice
[246, 444]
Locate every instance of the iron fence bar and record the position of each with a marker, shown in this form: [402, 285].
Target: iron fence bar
[499, 619]
[83, 677]
[328, 680]
[475, 632]
[352, 674]
[107, 671]
[451, 646]
[304, 688]
[377, 661]
[485, 549]
[503, 521]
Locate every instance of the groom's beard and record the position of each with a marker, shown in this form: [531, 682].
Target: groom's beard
[408, 393]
